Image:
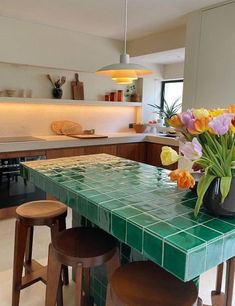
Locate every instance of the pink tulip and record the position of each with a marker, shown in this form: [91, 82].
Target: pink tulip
[192, 150]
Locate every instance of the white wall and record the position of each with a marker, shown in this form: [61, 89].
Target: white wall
[151, 92]
[41, 45]
[173, 71]
[158, 42]
[210, 53]
[19, 77]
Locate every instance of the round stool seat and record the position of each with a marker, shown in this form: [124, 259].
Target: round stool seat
[146, 284]
[42, 209]
[86, 245]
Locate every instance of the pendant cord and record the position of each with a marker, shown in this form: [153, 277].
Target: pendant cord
[125, 31]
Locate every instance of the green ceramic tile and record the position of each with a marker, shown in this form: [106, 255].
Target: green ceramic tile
[105, 219]
[143, 220]
[127, 212]
[185, 241]
[92, 212]
[153, 247]
[101, 198]
[220, 226]
[173, 256]
[214, 253]
[181, 223]
[113, 204]
[201, 217]
[162, 229]
[203, 233]
[196, 263]
[162, 214]
[118, 227]
[134, 236]
[229, 246]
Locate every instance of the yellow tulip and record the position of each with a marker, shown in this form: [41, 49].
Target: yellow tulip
[217, 112]
[200, 113]
[168, 156]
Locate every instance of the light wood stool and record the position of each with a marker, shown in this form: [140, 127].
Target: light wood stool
[36, 213]
[81, 248]
[144, 283]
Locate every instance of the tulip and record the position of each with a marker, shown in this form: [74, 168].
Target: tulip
[187, 119]
[192, 150]
[184, 178]
[175, 121]
[231, 108]
[221, 124]
[168, 156]
[200, 113]
[200, 126]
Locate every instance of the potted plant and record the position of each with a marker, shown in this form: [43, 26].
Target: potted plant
[131, 94]
[208, 141]
[168, 110]
[57, 91]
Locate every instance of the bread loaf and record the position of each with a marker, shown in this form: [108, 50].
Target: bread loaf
[66, 127]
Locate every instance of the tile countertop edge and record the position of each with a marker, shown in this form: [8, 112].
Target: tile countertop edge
[57, 142]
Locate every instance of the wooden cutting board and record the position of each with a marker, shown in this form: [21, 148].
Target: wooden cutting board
[77, 88]
[88, 136]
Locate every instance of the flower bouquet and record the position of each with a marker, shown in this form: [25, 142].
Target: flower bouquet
[208, 142]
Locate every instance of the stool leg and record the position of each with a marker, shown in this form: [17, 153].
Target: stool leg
[60, 226]
[78, 286]
[219, 278]
[29, 249]
[19, 252]
[65, 272]
[109, 301]
[88, 300]
[53, 278]
[113, 264]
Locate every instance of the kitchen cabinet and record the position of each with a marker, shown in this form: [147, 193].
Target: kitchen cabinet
[133, 151]
[153, 151]
[209, 61]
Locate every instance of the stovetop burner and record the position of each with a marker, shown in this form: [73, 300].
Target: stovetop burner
[19, 139]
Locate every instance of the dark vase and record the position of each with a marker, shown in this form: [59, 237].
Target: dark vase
[57, 93]
[212, 200]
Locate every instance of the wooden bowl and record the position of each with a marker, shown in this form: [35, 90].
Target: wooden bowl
[139, 127]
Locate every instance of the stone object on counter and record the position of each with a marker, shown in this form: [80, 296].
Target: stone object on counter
[66, 127]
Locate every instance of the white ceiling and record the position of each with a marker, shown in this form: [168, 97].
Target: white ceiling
[162, 58]
[104, 17]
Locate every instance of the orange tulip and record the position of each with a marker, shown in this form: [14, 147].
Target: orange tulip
[231, 109]
[184, 178]
[175, 121]
[200, 126]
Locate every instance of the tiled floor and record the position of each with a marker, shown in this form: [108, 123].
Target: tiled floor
[34, 295]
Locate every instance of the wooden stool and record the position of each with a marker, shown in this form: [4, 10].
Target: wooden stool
[81, 248]
[28, 215]
[145, 284]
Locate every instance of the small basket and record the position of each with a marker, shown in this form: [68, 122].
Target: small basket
[139, 127]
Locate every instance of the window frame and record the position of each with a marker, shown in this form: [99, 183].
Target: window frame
[163, 89]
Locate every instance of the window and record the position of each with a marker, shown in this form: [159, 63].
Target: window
[171, 91]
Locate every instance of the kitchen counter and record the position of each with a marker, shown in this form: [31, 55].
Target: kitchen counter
[61, 141]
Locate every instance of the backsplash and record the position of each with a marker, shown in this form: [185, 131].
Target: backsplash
[17, 119]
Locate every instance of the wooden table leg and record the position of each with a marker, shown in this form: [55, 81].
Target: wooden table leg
[229, 285]
[219, 298]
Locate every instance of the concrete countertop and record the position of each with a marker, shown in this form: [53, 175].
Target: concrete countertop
[60, 141]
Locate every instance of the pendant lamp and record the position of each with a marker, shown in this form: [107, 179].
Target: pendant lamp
[124, 72]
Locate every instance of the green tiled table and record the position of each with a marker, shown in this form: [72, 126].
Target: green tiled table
[139, 205]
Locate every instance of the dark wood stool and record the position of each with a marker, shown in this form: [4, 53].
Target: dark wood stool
[81, 248]
[143, 283]
[28, 215]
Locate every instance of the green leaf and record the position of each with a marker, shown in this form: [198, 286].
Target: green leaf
[225, 184]
[202, 187]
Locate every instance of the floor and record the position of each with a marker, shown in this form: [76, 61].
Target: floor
[34, 295]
